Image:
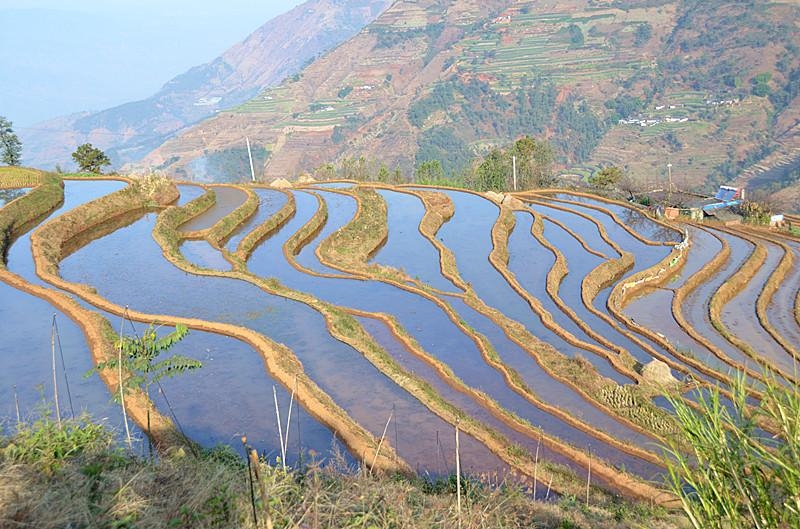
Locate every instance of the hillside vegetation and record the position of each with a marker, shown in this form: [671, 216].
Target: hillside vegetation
[709, 86]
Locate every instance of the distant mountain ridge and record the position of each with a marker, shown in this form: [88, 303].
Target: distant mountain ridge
[277, 49]
[708, 86]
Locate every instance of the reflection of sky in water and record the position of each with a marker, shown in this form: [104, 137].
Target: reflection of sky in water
[202, 254]
[331, 364]
[76, 192]
[420, 317]
[406, 249]
[26, 325]
[341, 210]
[226, 398]
[189, 193]
[270, 202]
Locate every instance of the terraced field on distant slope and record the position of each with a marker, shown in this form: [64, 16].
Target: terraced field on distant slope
[547, 328]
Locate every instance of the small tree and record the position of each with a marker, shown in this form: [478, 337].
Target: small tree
[606, 177]
[493, 171]
[90, 159]
[643, 33]
[139, 359]
[534, 162]
[10, 146]
[575, 35]
[429, 172]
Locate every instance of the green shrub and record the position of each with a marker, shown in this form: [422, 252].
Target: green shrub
[47, 444]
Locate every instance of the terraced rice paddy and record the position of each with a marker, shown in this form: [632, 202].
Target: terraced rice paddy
[392, 316]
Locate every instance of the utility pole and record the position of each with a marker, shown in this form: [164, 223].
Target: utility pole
[250, 155]
[514, 164]
[669, 178]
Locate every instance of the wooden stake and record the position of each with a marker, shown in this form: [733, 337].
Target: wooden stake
[536, 466]
[396, 442]
[250, 480]
[458, 478]
[261, 487]
[549, 483]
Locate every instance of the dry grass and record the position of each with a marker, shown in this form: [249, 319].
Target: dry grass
[100, 486]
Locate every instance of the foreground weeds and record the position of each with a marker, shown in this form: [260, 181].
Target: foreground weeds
[75, 476]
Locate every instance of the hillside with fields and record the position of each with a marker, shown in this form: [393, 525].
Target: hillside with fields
[710, 87]
[278, 49]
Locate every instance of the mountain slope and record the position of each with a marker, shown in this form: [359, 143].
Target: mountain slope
[710, 87]
[277, 49]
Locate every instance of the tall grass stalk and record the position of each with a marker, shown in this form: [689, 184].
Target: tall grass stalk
[735, 474]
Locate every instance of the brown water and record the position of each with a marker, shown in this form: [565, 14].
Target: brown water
[228, 199]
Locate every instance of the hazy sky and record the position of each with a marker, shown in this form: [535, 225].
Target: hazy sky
[60, 57]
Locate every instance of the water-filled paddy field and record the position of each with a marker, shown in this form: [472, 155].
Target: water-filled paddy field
[390, 318]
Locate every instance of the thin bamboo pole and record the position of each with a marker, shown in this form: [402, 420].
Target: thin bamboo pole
[589, 478]
[16, 404]
[55, 378]
[121, 386]
[380, 443]
[280, 430]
